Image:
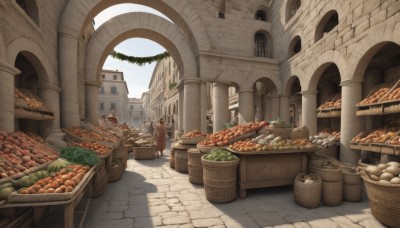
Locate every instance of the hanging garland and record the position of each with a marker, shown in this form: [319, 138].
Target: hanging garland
[140, 61]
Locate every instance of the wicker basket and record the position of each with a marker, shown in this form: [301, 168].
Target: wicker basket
[99, 182]
[195, 174]
[116, 173]
[220, 180]
[300, 133]
[172, 158]
[119, 152]
[181, 161]
[192, 141]
[384, 201]
[208, 149]
[195, 167]
[308, 195]
[144, 153]
[284, 133]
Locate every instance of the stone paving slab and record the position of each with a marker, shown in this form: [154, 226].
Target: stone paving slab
[151, 194]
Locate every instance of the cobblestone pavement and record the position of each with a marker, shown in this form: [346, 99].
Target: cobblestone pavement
[151, 194]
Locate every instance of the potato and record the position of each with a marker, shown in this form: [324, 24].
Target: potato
[373, 170]
[386, 176]
[382, 166]
[395, 180]
[375, 178]
[393, 170]
[394, 164]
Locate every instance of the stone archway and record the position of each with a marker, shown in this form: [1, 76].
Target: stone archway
[35, 55]
[78, 14]
[46, 86]
[143, 25]
[319, 64]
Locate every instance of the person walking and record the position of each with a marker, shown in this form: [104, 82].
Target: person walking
[160, 136]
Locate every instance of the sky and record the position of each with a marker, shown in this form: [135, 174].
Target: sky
[136, 77]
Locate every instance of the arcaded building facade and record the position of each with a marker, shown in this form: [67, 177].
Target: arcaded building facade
[278, 55]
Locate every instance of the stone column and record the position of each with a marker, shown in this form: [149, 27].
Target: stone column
[221, 105]
[7, 75]
[258, 98]
[350, 124]
[274, 107]
[246, 106]
[191, 113]
[309, 110]
[50, 94]
[180, 107]
[203, 112]
[68, 75]
[92, 101]
[284, 111]
[267, 107]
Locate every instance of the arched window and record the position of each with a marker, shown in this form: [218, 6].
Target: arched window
[327, 23]
[261, 15]
[260, 45]
[295, 46]
[292, 8]
[30, 8]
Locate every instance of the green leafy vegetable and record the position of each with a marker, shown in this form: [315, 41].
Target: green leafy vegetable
[80, 156]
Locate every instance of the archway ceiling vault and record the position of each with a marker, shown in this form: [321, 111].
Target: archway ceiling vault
[79, 14]
[143, 25]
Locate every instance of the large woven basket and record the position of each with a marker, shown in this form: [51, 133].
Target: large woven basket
[384, 201]
[331, 152]
[282, 132]
[308, 195]
[116, 173]
[181, 161]
[144, 153]
[172, 158]
[99, 182]
[195, 166]
[220, 180]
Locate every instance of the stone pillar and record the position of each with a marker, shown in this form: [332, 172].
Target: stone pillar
[7, 75]
[191, 113]
[203, 112]
[180, 107]
[267, 107]
[246, 106]
[309, 110]
[50, 94]
[274, 107]
[350, 124]
[68, 75]
[284, 111]
[221, 105]
[258, 98]
[92, 101]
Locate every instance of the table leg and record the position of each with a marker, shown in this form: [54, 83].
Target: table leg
[69, 215]
[38, 214]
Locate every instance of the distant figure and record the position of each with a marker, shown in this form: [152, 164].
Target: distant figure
[160, 136]
[209, 125]
[151, 128]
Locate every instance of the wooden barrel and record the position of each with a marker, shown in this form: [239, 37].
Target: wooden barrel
[220, 180]
[195, 167]
[181, 161]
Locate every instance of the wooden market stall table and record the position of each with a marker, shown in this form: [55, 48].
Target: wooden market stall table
[69, 205]
[260, 169]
